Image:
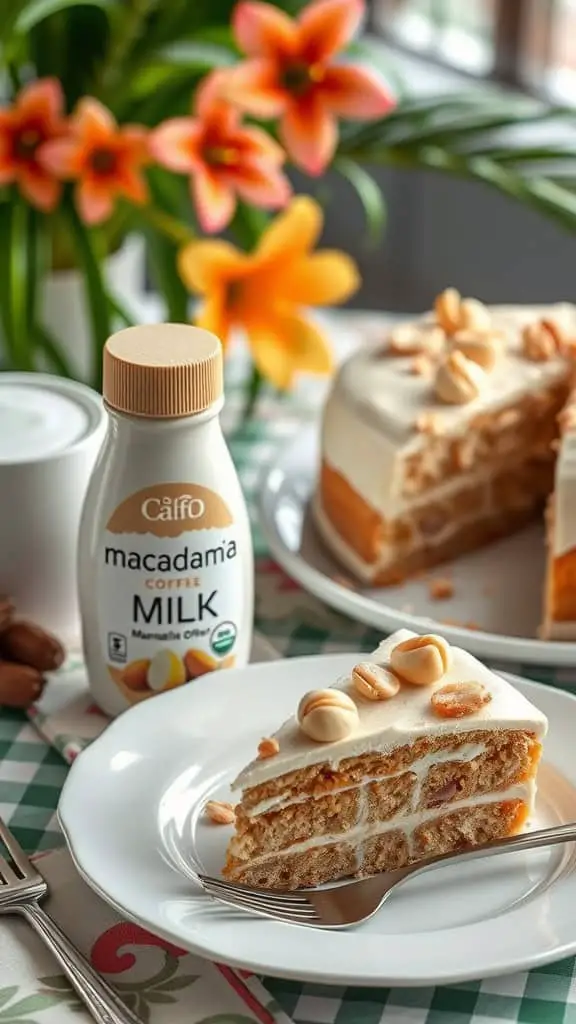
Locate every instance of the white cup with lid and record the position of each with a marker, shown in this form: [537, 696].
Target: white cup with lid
[51, 430]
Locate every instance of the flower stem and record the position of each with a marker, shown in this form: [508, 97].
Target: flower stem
[252, 393]
[95, 290]
[130, 29]
[19, 285]
[166, 224]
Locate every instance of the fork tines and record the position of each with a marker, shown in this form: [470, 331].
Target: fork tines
[292, 907]
[19, 858]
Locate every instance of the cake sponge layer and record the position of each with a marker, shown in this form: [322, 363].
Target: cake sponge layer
[451, 831]
[499, 761]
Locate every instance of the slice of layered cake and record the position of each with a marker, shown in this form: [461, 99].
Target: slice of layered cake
[421, 750]
[438, 438]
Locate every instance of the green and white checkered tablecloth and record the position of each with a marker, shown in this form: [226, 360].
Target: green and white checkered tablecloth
[32, 774]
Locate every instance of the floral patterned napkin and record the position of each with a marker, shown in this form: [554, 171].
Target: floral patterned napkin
[160, 982]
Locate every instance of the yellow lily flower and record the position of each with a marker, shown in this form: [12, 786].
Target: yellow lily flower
[265, 293]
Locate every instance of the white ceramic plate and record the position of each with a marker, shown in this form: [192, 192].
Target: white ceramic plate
[131, 810]
[498, 588]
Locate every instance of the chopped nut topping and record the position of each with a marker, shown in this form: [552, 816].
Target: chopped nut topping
[474, 315]
[219, 812]
[447, 308]
[540, 341]
[421, 366]
[556, 331]
[459, 380]
[507, 418]
[430, 423]
[480, 348]
[421, 659]
[375, 682]
[268, 747]
[456, 700]
[454, 313]
[327, 715]
[414, 339]
[406, 340]
[441, 589]
[464, 451]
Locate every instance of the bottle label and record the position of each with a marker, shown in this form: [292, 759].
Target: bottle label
[170, 588]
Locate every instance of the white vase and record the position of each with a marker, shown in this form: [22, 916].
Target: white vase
[65, 312]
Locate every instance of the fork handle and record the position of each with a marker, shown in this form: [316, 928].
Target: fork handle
[97, 995]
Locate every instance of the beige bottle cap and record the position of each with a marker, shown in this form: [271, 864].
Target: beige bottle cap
[162, 370]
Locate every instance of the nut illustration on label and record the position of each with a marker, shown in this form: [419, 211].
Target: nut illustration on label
[198, 663]
[135, 675]
[166, 670]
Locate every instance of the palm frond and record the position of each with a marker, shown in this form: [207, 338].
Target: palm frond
[514, 144]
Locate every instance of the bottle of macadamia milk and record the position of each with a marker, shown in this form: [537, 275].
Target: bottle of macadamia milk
[165, 551]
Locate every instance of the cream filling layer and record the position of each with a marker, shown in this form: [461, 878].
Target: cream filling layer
[402, 822]
[467, 752]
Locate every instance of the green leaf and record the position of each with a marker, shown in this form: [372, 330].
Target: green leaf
[97, 298]
[196, 53]
[119, 310]
[58, 981]
[182, 981]
[56, 358]
[6, 994]
[248, 224]
[30, 1004]
[154, 996]
[18, 285]
[162, 255]
[481, 138]
[5, 318]
[370, 195]
[369, 50]
[255, 385]
[37, 10]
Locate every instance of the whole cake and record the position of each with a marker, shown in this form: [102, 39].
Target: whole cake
[440, 437]
[420, 751]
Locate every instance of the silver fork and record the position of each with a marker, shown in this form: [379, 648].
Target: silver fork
[21, 887]
[344, 905]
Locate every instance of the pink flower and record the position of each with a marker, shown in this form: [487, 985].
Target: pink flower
[104, 159]
[224, 157]
[291, 74]
[35, 117]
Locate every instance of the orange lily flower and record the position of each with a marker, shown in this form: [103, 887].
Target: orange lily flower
[291, 74]
[36, 116]
[104, 159]
[264, 293]
[223, 157]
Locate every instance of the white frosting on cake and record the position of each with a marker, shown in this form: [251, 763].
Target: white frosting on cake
[369, 421]
[385, 725]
